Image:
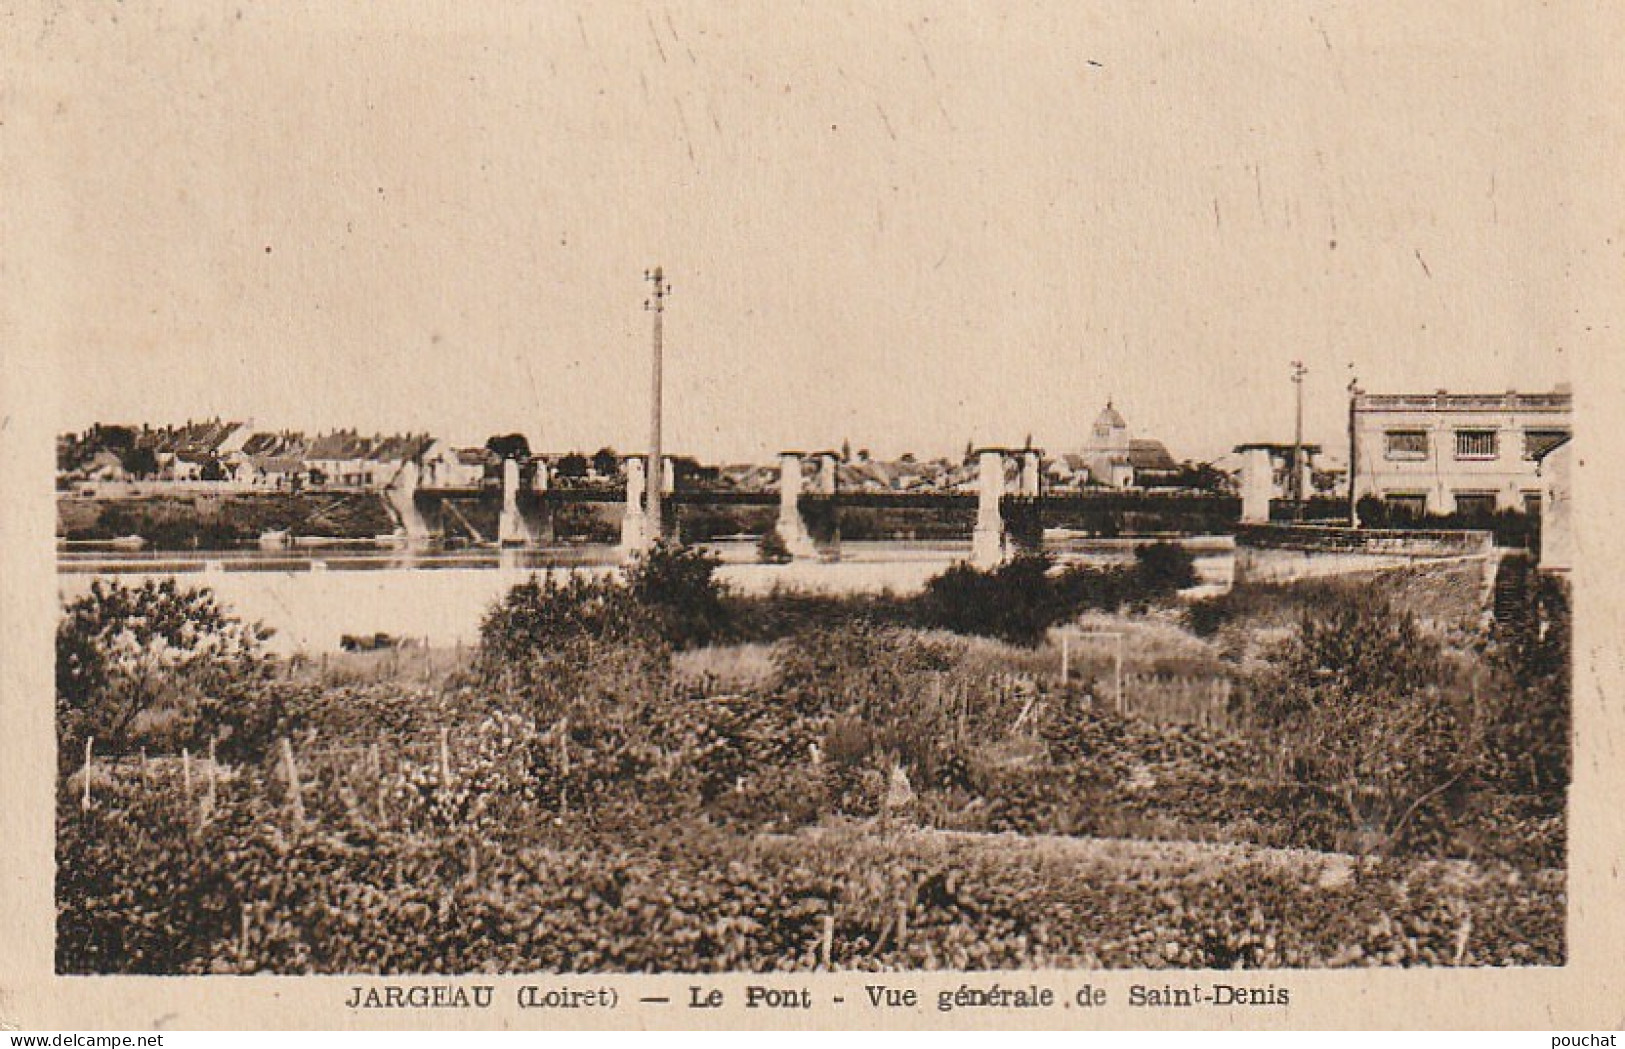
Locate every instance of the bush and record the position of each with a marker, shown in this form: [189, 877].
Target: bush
[1021, 599]
[771, 549]
[1016, 602]
[1162, 568]
[540, 615]
[668, 599]
[158, 664]
[1529, 748]
[1361, 703]
[677, 589]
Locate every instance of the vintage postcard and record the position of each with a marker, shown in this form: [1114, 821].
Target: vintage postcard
[896, 515]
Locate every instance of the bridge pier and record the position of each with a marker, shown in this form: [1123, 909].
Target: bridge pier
[537, 512]
[511, 530]
[635, 534]
[791, 526]
[1257, 486]
[1030, 473]
[987, 541]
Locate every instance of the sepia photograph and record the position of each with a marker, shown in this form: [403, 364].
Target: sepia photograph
[796, 489]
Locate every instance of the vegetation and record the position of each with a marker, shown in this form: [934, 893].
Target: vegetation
[226, 521]
[771, 549]
[586, 799]
[1368, 713]
[158, 665]
[1512, 528]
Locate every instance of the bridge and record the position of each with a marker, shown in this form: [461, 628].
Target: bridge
[1008, 510]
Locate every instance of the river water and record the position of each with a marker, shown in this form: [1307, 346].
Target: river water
[313, 599]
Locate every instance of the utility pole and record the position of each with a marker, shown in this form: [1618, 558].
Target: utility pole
[1296, 485]
[656, 304]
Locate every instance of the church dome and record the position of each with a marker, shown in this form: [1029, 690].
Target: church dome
[1109, 419]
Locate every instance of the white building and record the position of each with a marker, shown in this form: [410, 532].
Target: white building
[1444, 453]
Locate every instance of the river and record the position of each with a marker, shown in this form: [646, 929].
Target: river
[312, 599]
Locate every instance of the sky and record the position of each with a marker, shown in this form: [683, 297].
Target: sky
[906, 226]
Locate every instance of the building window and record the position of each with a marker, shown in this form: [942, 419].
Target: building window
[1475, 504]
[1531, 503]
[1537, 443]
[1407, 444]
[1476, 444]
[1411, 506]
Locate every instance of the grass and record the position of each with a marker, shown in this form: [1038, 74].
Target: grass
[739, 666]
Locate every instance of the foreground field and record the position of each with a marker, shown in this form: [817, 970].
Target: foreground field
[813, 782]
[249, 899]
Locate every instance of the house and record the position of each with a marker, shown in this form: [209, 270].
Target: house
[338, 459]
[1454, 453]
[272, 460]
[442, 466]
[389, 455]
[1151, 464]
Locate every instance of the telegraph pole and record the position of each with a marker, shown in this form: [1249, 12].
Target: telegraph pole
[656, 304]
[1296, 486]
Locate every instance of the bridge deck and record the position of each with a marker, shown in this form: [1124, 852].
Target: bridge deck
[1062, 502]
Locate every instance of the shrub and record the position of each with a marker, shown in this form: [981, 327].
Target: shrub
[771, 549]
[539, 615]
[676, 587]
[1359, 699]
[161, 664]
[1530, 724]
[1162, 568]
[1016, 602]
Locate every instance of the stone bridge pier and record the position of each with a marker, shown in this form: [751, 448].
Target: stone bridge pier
[536, 512]
[635, 534]
[1257, 485]
[791, 526]
[987, 547]
[512, 529]
[638, 530]
[1030, 473]
[991, 541]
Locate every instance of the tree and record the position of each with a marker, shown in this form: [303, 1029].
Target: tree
[117, 439]
[572, 465]
[139, 462]
[606, 462]
[509, 446]
[1204, 477]
[158, 663]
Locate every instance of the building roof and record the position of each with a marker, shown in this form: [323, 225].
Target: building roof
[400, 447]
[1145, 454]
[339, 445]
[266, 444]
[1109, 417]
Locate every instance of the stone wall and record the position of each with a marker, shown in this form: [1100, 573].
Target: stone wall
[1280, 553]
